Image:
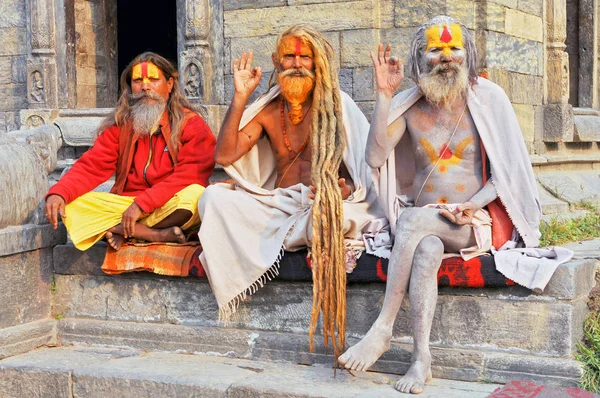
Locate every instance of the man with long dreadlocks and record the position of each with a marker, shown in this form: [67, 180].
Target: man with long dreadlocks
[297, 158]
[446, 150]
[162, 153]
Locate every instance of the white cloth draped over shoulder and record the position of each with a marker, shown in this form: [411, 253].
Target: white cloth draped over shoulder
[511, 175]
[247, 225]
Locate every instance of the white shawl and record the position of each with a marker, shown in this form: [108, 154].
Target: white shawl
[511, 173]
[239, 256]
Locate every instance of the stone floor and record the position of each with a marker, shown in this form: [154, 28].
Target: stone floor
[80, 371]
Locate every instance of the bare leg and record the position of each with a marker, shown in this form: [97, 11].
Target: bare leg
[165, 231]
[412, 226]
[426, 264]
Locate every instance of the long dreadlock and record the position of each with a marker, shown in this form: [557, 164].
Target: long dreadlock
[328, 140]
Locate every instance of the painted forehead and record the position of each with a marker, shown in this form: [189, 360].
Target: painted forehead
[145, 71]
[444, 36]
[295, 45]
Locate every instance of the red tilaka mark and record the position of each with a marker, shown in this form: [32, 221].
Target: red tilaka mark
[144, 69]
[446, 36]
[298, 44]
[445, 152]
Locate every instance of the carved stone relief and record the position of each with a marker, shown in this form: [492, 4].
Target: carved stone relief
[194, 87]
[36, 87]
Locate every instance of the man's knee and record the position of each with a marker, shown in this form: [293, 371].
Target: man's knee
[428, 255]
[411, 220]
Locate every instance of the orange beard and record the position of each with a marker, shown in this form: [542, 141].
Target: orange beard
[296, 85]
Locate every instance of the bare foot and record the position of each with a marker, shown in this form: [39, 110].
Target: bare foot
[414, 380]
[364, 354]
[172, 234]
[114, 240]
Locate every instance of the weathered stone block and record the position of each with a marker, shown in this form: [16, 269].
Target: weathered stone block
[513, 54]
[572, 186]
[160, 337]
[262, 87]
[534, 7]
[526, 117]
[87, 96]
[572, 280]
[501, 78]
[18, 339]
[587, 128]
[524, 25]
[19, 69]
[364, 84]
[400, 39]
[506, 3]
[346, 82]
[241, 4]
[300, 2]
[5, 65]
[526, 89]
[12, 14]
[14, 97]
[502, 368]
[25, 287]
[491, 15]
[28, 237]
[262, 47]
[271, 21]
[367, 108]
[415, 12]
[357, 46]
[558, 123]
[34, 383]
[384, 14]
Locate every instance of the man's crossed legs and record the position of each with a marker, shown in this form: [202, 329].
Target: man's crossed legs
[422, 236]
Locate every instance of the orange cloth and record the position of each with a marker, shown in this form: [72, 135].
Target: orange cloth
[169, 259]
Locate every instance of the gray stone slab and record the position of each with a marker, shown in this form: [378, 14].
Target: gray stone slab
[573, 187]
[585, 249]
[29, 237]
[551, 205]
[572, 279]
[502, 368]
[162, 374]
[47, 372]
[25, 287]
[26, 337]
[587, 128]
[161, 337]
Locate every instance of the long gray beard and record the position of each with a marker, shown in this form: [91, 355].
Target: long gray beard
[442, 89]
[145, 117]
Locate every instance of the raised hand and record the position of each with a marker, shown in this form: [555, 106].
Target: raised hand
[389, 70]
[245, 77]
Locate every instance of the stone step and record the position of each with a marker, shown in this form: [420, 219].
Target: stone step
[494, 334]
[90, 372]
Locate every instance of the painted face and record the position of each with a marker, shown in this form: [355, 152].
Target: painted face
[295, 53]
[146, 76]
[444, 43]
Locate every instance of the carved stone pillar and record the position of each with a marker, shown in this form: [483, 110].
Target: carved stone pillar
[201, 62]
[41, 64]
[558, 115]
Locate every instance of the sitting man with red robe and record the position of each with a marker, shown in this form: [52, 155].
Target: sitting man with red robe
[161, 153]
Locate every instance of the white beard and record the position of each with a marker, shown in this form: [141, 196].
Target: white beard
[442, 88]
[146, 116]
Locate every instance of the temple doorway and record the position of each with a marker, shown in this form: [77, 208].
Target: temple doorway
[146, 25]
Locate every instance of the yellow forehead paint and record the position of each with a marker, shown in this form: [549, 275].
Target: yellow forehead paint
[145, 71]
[294, 45]
[444, 37]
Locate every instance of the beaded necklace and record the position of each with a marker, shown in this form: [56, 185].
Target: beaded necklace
[286, 140]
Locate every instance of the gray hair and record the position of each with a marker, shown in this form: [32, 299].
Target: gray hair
[419, 44]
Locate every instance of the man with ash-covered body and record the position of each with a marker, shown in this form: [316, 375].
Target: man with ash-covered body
[446, 150]
[161, 153]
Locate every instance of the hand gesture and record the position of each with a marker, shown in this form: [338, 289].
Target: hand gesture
[389, 71]
[463, 215]
[345, 189]
[55, 205]
[129, 219]
[245, 78]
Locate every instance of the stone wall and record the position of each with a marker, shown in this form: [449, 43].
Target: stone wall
[95, 53]
[509, 36]
[13, 62]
